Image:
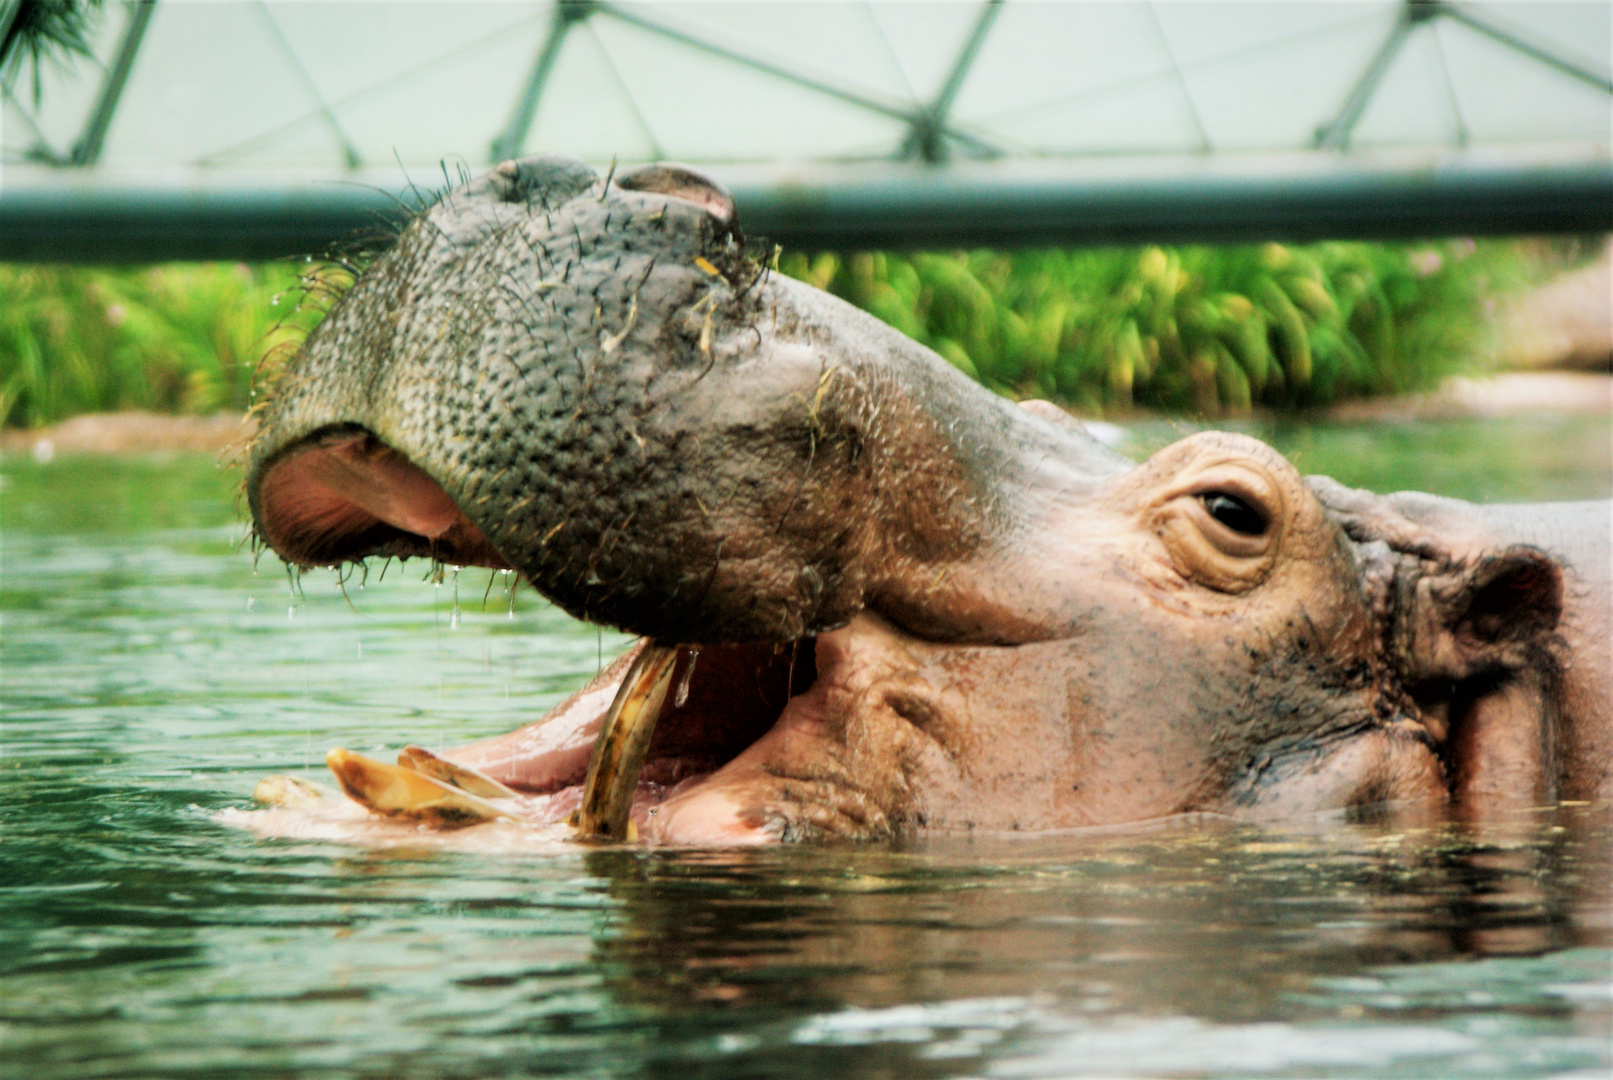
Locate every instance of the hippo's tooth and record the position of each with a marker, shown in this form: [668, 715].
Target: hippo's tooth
[462, 777]
[624, 740]
[289, 791]
[404, 793]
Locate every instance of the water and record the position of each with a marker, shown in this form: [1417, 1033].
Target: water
[150, 678]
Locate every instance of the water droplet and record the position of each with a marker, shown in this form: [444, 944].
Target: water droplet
[453, 617]
[251, 602]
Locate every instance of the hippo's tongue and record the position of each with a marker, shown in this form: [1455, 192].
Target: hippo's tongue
[624, 740]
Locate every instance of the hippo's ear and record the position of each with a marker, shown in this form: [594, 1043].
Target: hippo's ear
[682, 182]
[1488, 615]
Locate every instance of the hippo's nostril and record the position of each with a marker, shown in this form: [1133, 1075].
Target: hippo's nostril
[682, 182]
[546, 179]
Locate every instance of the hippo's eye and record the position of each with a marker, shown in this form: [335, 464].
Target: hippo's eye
[1234, 513]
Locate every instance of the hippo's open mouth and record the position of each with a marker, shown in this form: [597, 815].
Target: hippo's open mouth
[654, 730]
[663, 735]
[344, 494]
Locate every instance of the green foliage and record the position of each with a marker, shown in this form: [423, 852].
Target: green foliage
[176, 338]
[1210, 330]
[1213, 330]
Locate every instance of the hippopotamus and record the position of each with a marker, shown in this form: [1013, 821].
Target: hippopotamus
[876, 599]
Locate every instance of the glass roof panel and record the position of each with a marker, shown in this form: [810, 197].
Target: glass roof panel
[1041, 54]
[349, 48]
[1413, 105]
[1139, 116]
[588, 111]
[925, 38]
[833, 40]
[1507, 97]
[713, 106]
[258, 93]
[1579, 29]
[1249, 92]
[247, 83]
[232, 71]
[1218, 33]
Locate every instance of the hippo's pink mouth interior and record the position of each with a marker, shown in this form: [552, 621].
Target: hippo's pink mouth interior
[727, 702]
[346, 495]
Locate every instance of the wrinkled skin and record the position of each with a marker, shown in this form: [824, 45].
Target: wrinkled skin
[919, 606]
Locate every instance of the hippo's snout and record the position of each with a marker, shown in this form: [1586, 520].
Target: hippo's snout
[591, 382]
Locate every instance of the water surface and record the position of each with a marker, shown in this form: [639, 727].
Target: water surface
[151, 676]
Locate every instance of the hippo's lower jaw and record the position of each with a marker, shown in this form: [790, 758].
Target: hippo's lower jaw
[731, 762]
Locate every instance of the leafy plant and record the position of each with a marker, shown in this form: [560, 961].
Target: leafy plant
[1207, 329]
[46, 29]
[176, 338]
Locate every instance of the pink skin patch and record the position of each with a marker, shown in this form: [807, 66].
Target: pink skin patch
[550, 759]
[711, 819]
[384, 484]
[550, 754]
[342, 486]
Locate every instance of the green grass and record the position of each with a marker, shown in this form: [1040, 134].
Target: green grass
[1205, 330]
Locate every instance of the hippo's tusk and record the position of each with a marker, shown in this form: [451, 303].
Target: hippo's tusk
[624, 740]
[404, 793]
[462, 777]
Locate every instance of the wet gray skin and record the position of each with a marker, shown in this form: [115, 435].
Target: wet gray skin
[1004, 624]
[655, 430]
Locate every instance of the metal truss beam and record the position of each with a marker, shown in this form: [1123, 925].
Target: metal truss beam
[567, 13]
[1515, 39]
[1335, 135]
[892, 206]
[87, 151]
[928, 131]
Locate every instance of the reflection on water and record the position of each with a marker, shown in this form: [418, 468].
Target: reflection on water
[150, 677]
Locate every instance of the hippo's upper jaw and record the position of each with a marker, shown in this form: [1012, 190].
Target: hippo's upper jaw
[918, 605]
[655, 430]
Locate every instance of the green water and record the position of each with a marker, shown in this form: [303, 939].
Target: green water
[149, 677]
